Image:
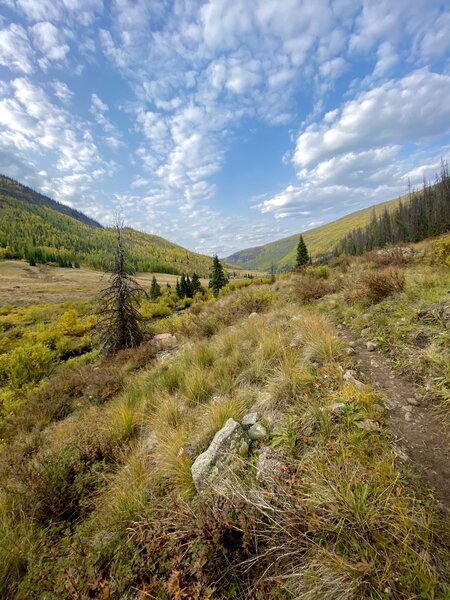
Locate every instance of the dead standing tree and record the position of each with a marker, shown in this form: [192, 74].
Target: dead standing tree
[120, 324]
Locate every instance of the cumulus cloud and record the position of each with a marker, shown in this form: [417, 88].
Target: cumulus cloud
[15, 50]
[407, 110]
[50, 41]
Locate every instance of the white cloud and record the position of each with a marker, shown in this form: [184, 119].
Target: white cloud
[98, 104]
[406, 110]
[50, 41]
[15, 49]
[62, 91]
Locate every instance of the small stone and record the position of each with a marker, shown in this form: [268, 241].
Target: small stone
[408, 416]
[250, 419]
[350, 374]
[374, 363]
[368, 425]
[379, 407]
[339, 326]
[257, 432]
[366, 316]
[350, 351]
[352, 344]
[371, 346]
[337, 407]
[365, 331]
[252, 315]
[412, 401]
[269, 467]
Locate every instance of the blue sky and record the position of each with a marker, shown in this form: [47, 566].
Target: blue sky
[223, 124]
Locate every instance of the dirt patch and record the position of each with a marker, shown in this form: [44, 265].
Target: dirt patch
[422, 436]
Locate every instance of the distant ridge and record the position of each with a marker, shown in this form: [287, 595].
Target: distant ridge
[12, 188]
[323, 239]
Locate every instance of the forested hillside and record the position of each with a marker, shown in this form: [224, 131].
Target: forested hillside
[425, 214]
[34, 230]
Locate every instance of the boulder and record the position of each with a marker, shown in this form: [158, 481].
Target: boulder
[229, 443]
[165, 340]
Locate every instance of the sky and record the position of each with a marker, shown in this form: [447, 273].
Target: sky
[223, 124]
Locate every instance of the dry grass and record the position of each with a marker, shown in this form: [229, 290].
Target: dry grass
[308, 288]
[319, 338]
[374, 286]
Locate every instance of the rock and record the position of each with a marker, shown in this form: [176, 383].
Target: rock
[166, 340]
[350, 377]
[408, 416]
[269, 467]
[228, 444]
[368, 425]
[257, 433]
[412, 401]
[371, 346]
[337, 407]
[352, 344]
[350, 351]
[250, 419]
[296, 341]
[339, 326]
[252, 315]
[374, 363]
[366, 316]
[365, 331]
[187, 451]
[379, 408]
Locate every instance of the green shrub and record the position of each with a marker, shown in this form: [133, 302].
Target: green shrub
[319, 272]
[29, 363]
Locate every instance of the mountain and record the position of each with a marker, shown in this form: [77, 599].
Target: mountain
[37, 228]
[13, 189]
[322, 239]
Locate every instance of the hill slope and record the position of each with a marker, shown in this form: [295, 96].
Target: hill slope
[321, 239]
[32, 225]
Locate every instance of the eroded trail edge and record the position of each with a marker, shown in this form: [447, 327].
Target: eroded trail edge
[421, 435]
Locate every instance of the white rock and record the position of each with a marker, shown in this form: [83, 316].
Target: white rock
[337, 407]
[250, 419]
[227, 445]
[257, 432]
[368, 425]
[412, 401]
[252, 315]
[350, 351]
[371, 346]
[166, 340]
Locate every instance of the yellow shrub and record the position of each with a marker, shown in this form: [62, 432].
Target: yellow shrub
[442, 251]
[29, 363]
[69, 324]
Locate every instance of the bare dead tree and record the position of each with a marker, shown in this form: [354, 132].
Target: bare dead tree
[119, 321]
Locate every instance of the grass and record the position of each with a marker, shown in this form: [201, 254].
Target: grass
[101, 501]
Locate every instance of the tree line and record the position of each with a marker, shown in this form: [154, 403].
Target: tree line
[425, 214]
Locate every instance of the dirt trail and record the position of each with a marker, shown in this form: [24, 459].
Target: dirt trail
[421, 434]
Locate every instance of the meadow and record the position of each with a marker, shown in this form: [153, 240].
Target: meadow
[98, 498]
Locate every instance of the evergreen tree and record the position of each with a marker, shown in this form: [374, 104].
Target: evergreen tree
[119, 319]
[272, 273]
[183, 286]
[189, 293]
[302, 254]
[155, 289]
[178, 288]
[218, 278]
[195, 284]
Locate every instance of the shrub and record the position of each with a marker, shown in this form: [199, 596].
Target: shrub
[374, 286]
[391, 255]
[441, 250]
[29, 363]
[319, 272]
[308, 288]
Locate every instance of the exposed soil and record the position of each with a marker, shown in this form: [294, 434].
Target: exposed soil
[421, 435]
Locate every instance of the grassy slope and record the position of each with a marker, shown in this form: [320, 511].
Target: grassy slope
[98, 499]
[320, 239]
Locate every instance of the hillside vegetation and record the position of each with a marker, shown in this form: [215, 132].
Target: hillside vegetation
[98, 498]
[320, 240]
[48, 232]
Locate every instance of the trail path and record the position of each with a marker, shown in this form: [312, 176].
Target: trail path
[421, 434]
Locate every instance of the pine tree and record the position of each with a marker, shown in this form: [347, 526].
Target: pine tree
[119, 319]
[302, 254]
[183, 286]
[189, 293]
[195, 284]
[155, 289]
[218, 278]
[272, 273]
[178, 288]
